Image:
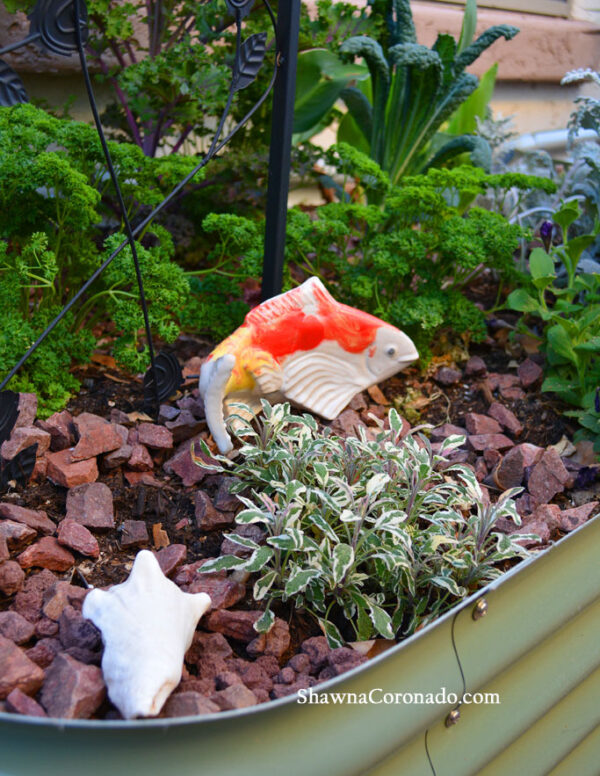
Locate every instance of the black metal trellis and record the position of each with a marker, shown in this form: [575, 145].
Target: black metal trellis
[60, 26]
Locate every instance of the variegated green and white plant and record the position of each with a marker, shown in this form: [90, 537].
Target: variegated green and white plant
[377, 531]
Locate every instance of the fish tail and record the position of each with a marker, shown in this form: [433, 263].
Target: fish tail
[214, 376]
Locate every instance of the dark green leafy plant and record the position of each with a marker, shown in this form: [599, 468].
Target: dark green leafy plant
[410, 260]
[56, 207]
[570, 315]
[366, 534]
[396, 115]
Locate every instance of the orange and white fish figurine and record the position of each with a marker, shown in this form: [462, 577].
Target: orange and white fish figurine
[304, 347]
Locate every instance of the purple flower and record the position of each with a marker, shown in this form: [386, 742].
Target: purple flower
[597, 400]
[546, 234]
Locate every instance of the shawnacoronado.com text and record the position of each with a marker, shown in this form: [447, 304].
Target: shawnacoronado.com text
[377, 696]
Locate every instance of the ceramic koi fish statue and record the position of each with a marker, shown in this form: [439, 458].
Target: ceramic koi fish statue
[147, 625]
[301, 346]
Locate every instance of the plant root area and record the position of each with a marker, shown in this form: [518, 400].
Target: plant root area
[110, 480]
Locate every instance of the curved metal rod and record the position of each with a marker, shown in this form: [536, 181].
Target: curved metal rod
[213, 150]
[115, 181]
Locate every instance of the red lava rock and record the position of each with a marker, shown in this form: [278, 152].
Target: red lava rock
[171, 558]
[252, 531]
[23, 437]
[505, 417]
[188, 704]
[446, 376]
[238, 696]
[77, 537]
[46, 553]
[549, 514]
[481, 424]
[65, 471]
[512, 393]
[91, 505]
[182, 465]
[525, 505]
[226, 679]
[167, 412]
[19, 703]
[59, 595]
[30, 600]
[193, 404]
[184, 426]
[548, 477]
[45, 628]
[44, 652]
[538, 527]
[96, 436]
[530, 373]
[72, 689]
[341, 660]
[36, 519]
[300, 663]
[140, 459]
[40, 470]
[192, 366]
[448, 429]
[134, 533]
[156, 437]
[497, 380]
[491, 458]
[317, 650]
[15, 627]
[119, 456]
[17, 670]
[17, 535]
[4, 553]
[27, 409]
[481, 469]
[224, 499]
[573, 518]
[204, 644]
[76, 631]
[61, 428]
[207, 517]
[142, 478]
[223, 593]
[11, 577]
[236, 624]
[482, 442]
[276, 642]
[287, 675]
[347, 423]
[358, 403]
[303, 682]
[476, 367]
[511, 469]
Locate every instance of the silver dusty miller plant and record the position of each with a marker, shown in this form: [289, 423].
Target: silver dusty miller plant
[368, 534]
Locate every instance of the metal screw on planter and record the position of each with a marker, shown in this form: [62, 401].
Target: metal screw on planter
[480, 609]
[61, 27]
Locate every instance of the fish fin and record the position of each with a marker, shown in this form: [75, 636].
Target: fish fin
[322, 382]
[308, 297]
[265, 370]
[214, 376]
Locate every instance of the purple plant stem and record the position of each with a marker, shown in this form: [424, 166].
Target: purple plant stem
[182, 138]
[122, 99]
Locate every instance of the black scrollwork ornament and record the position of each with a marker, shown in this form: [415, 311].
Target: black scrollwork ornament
[169, 378]
[9, 412]
[243, 6]
[249, 62]
[52, 25]
[12, 91]
[18, 469]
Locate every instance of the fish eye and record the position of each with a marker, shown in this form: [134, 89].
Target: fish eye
[390, 350]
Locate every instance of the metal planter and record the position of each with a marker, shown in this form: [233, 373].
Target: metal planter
[538, 646]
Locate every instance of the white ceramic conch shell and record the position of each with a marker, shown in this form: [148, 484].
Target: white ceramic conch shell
[147, 625]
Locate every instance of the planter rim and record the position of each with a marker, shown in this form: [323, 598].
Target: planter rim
[207, 719]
